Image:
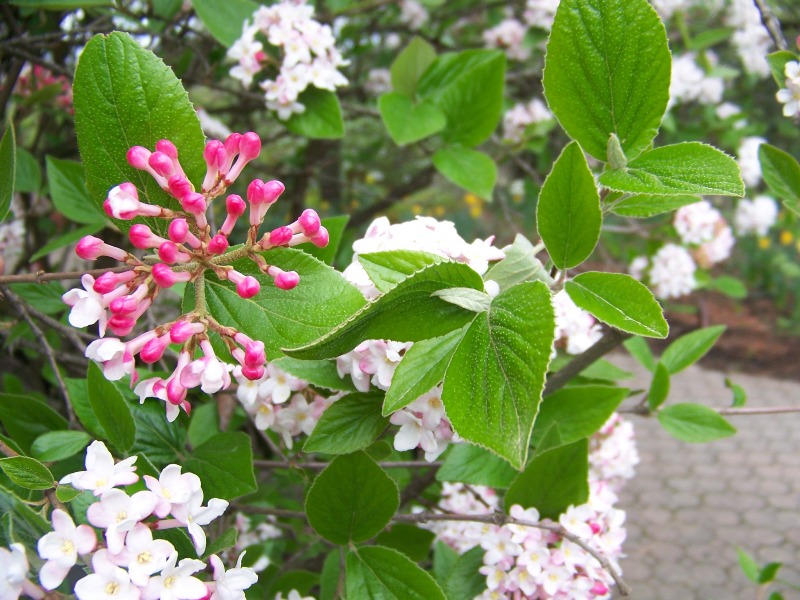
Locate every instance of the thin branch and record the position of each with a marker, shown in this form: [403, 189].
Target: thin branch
[731, 411]
[772, 24]
[42, 276]
[612, 339]
[318, 465]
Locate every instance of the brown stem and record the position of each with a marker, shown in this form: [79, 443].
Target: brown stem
[772, 24]
[42, 276]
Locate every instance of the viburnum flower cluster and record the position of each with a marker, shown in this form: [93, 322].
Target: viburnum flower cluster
[576, 329]
[118, 300]
[670, 271]
[690, 83]
[306, 55]
[756, 216]
[526, 562]
[131, 563]
[517, 119]
[790, 95]
[34, 78]
[508, 35]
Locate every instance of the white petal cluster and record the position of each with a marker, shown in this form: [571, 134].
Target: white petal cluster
[612, 453]
[671, 272]
[508, 35]
[756, 216]
[379, 81]
[576, 329]
[14, 580]
[790, 95]
[540, 13]
[423, 425]
[751, 38]
[413, 14]
[517, 119]
[748, 161]
[702, 226]
[308, 55]
[689, 83]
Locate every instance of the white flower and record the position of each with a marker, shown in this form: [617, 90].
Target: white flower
[696, 223]
[172, 488]
[278, 385]
[790, 95]
[60, 548]
[87, 305]
[118, 513]
[509, 35]
[748, 160]
[575, 326]
[142, 555]
[672, 273]
[412, 433]
[14, 574]
[413, 14]
[108, 582]
[230, 584]
[541, 13]
[756, 215]
[176, 582]
[192, 515]
[101, 473]
[113, 355]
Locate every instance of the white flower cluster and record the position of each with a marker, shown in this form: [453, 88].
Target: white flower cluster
[423, 425]
[756, 216]
[132, 565]
[790, 95]
[748, 159]
[413, 14]
[689, 83]
[309, 56]
[508, 35]
[525, 562]
[671, 271]
[14, 569]
[379, 81]
[250, 534]
[703, 227]
[576, 329]
[751, 38]
[281, 403]
[521, 116]
[540, 13]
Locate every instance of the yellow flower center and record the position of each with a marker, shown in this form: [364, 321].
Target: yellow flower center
[168, 582]
[68, 547]
[121, 516]
[112, 588]
[144, 558]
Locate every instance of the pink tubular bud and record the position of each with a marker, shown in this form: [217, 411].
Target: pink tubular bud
[287, 280]
[178, 231]
[171, 254]
[176, 393]
[309, 221]
[120, 325]
[124, 306]
[599, 589]
[232, 144]
[142, 237]
[91, 248]
[194, 203]
[123, 203]
[235, 205]
[161, 164]
[167, 147]
[179, 186]
[321, 239]
[137, 157]
[154, 349]
[214, 153]
[273, 189]
[253, 373]
[166, 277]
[110, 281]
[218, 244]
[249, 146]
[280, 236]
[254, 355]
[248, 287]
[183, 330]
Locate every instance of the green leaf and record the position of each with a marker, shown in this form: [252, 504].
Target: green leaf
[224, 464]
[223, 542]
[26, 418]
[694, 423]
[69, 194]
[739, 393]
[406, 313]
[27, 526]
[281, 318]
[28, 175]
[568, 214]
[605, 371]
[44, 297]
[319, 373]
[411, 540]
[710, 37]
[322, 118]
[607, 71]
[159, 440]
[224, 20]
[553, 481]
[351, 500]
[468, 87]
[748, 565]
[349, 424]
[730, 286]
[410, 64]
[8, 169]
[620, 301]
[520, 264]
[67, 239]
[111, 409]
[378, 573]
[466, 298]
[574, 413]
[768, 573]
[78, 390]
[639, 350]
[407, 121]
[659, 387]
[690, 348]
[781, 173]
[27, 472]
[465, 579]
[470, 464]
[777, 65]
[126, 96]
[643, 206]
[329, 577]
[67, 493]
[387, 269]
[61, 4]
[677, 170]
[472, 170]
[204, 424]
[423, 367]
[493, 385]
[58, 445]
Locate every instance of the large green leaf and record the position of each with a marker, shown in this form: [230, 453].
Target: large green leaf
[423, 366]
[159, 440]
[352, 423]
[280, 318]
[781, 173]
[620, 301]
[27, 472]
[468, 87]
[20, 522]
[659, 387]
[68, 191]
[464, 579]
[406, 313]
[410, 64]
[28, 174]
[568, 214]
[351, 500]
[694, 423]
[224, 20]
[607, 71]
[322, 118]
[58, 445]
[387, 269]
[126, 96]
[8, 169]
[520, 264]
[224, 464]
[472, 170]
[678, 170]
[26, 418]
[642, 206]
[493, 385]
[690, 348]
[407, 121]
[470, 464]
[378, 573]
[111, 409]
[553, 481]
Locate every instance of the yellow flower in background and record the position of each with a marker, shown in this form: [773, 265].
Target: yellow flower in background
[439, 211]
[416, 209]
[475, 205]
[786, 237]
[764, 243]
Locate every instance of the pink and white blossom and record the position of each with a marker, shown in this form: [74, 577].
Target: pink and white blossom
[60, 548]
[102, 474]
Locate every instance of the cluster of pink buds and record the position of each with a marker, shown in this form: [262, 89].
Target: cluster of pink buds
[118, 299]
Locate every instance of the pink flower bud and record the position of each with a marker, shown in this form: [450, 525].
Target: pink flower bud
[120, 325]
[124, 306]
[321, 239]
[253, 373]
[176, 393]
[183, 330]
[287, 280]
[232, 144]
[249, 146]
[194, 203]
[179, 186]
[178, 231]
[91, 248]
[108, 282]
[161, 164]
[248, 287]
[218, 244]
[137, 157]
[260, 192]
[166, 277]
[235, 205]
[170, 254]
[154, 349]
[167, 148]
[309, 222]
[214, 153]
[599, 589]
[280, 236]
[142, 237]
[254, 354]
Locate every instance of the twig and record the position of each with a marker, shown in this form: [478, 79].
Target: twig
[19, 306]
[68, 359]
[731, 411]
[42, 276]
[319, 465]
[772, 24]
[612, 339]
[501, 519]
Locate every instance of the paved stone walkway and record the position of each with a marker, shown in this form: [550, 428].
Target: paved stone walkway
[691, 505]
